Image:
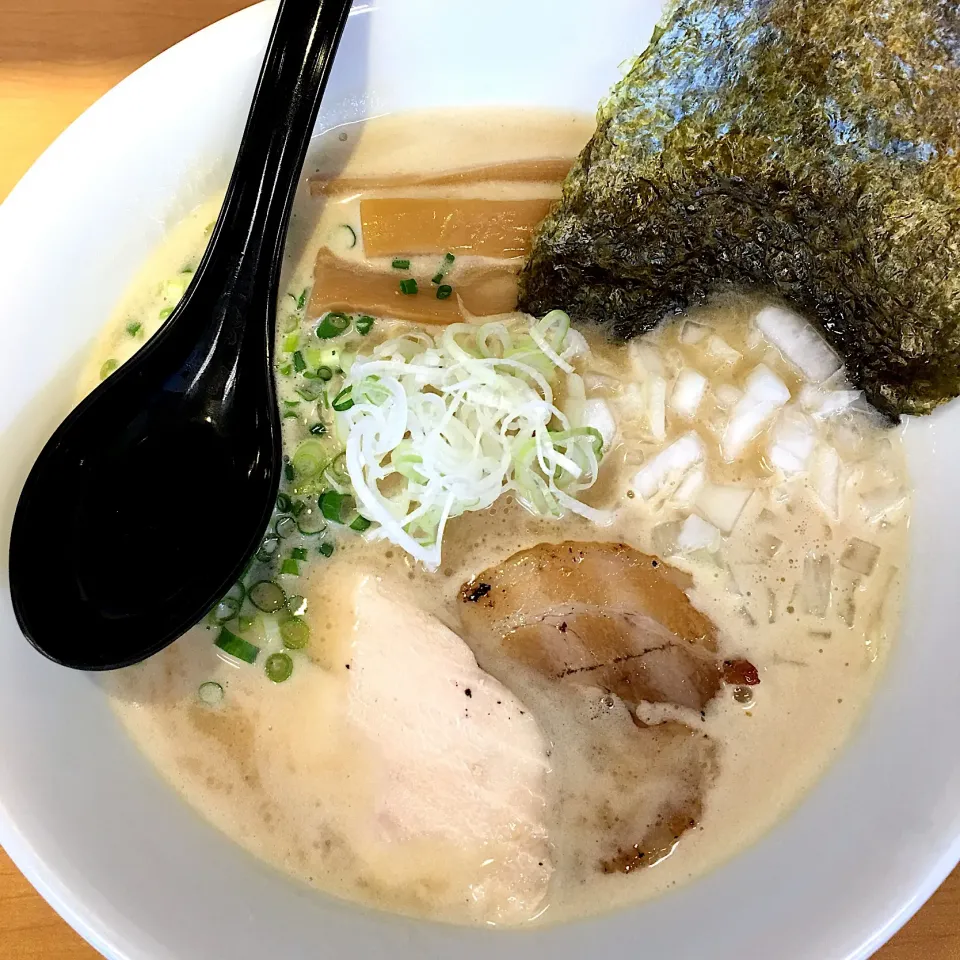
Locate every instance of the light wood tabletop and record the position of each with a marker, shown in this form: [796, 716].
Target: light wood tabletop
[56, 58]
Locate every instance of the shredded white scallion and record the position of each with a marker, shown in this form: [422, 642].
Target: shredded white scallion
[444, 425]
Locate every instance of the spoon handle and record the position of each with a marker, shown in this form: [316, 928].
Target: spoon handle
[281, 119]
[236, 282]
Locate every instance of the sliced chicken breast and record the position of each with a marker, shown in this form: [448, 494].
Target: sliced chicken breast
[460, 759]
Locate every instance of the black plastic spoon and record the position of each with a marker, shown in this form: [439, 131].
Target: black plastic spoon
[145, 505]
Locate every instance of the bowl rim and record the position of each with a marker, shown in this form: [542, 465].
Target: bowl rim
[43, 875]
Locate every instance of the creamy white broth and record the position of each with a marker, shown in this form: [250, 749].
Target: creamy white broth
[279, 768]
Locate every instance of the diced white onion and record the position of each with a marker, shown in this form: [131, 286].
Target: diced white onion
[601, 383]
[727, 395]
[860, 556]
[825, 477]
[791, 443]
[799, 342]
[764, 394]
[665, 538]
[768, 545]
[657, 407]
[575, 345]
[847, 436]
[670, 464]
[686, 493]
[697, 534]
[882, 503]
[722, 504]
[645, 360]
[687, 393]
[824, 404]
[596, 413]
[633, 401]
[692, 332]
[817, 585]
[720, 350]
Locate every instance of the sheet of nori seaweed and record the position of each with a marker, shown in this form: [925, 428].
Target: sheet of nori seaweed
[808, 148]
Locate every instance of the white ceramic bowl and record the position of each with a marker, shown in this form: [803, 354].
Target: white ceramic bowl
[83, 814]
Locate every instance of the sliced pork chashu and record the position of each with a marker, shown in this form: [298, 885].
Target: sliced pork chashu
[612, 627]
[599, 614]
[643, 789]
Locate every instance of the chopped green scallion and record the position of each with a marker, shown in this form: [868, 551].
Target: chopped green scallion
[311, 521]
[408, 286]
[278, 667]
[283, 503]
[364, 325]
[309, 391]
[236, 646]
[313, 356]
[267, 596]
[134, 327]
[325, 549]
[289, 473]
[210, 693]
[299, 364]
[165, 312]
[318, 429]
[297, 605]
[295, 632]
[229, 606]
[360, 524]
[332, 325]
[324, 373]
[444, 291]
[290, 342]
[399, 264]
[108, 367]
[268, 548]
[343, 400]
[330, 357]
[285, 370]
[285, 527]
[331, 505]
[290, 568]
[444, 267]
[298, 553]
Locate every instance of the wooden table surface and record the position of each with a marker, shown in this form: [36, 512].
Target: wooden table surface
[56, 58]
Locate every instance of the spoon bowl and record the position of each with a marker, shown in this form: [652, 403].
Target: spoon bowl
[125, 490]
[145, 457]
